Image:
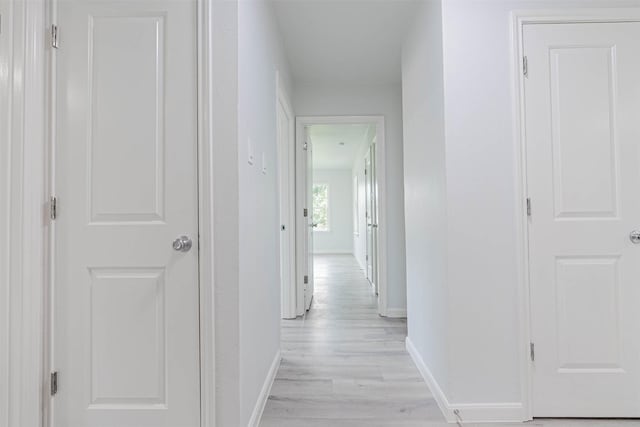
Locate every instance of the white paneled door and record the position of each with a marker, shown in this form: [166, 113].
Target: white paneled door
[583, 160]
[308, 169]
[286, 182]
[371, 214]
[125, 307]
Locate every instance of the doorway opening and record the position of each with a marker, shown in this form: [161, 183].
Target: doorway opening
[343, 203]
[340, 202]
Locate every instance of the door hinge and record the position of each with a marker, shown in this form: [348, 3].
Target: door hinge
[54, 383]
[54, 36]
[305, 212]
[532, 351]
[53, 208]
[528, 207]
[525, 66]
[306, 280]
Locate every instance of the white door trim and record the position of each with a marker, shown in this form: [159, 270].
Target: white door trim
[206, 195]
[25, 320]
[518, 20]
[24, 228]
[288, 297]
[381, 161]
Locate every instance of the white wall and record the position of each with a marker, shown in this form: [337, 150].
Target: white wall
[246, 54]
[260, 55]
[425, 189]
[480, 291]
[384, 100]
[226, 209]
[339, 238]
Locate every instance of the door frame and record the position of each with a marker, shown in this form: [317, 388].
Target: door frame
[519, 19]
[23, 197]
[25, 359]
[381, 161]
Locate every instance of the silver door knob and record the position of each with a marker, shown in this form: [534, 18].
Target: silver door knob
[635, 237]
[182, 244]
[314, 225]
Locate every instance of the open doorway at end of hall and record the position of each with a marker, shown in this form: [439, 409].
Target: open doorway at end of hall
[340, 197]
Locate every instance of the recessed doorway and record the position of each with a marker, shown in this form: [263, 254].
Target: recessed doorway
[340, 200]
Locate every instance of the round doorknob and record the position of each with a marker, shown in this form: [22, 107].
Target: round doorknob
[635, 237]
[182, 244]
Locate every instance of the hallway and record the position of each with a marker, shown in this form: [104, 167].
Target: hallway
[343, 365]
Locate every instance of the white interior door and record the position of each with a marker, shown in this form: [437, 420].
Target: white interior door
[308, 293]
[287, 220]
[374, 213]
[368, 215]
[583, 152]
[126, 341]
[371, 216]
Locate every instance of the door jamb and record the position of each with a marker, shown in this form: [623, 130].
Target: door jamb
[30, 329]
[381, 161]
[519, 19]
[206, 195]
[23, 201]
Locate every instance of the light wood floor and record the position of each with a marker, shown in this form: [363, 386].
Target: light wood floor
[343, 365]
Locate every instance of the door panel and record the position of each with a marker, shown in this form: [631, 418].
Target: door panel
[587, 304]
[129, 134]
[126, 341]
[585, 178]
[582, 97]
[127, 318]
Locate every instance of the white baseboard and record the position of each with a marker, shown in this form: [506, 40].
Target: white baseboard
[433, 385]
[398, 313]
[264, 393]
[504, 412]
[501, 412]
[345, 252]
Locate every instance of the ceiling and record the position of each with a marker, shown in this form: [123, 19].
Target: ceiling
[327, 151]
[344, 41]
